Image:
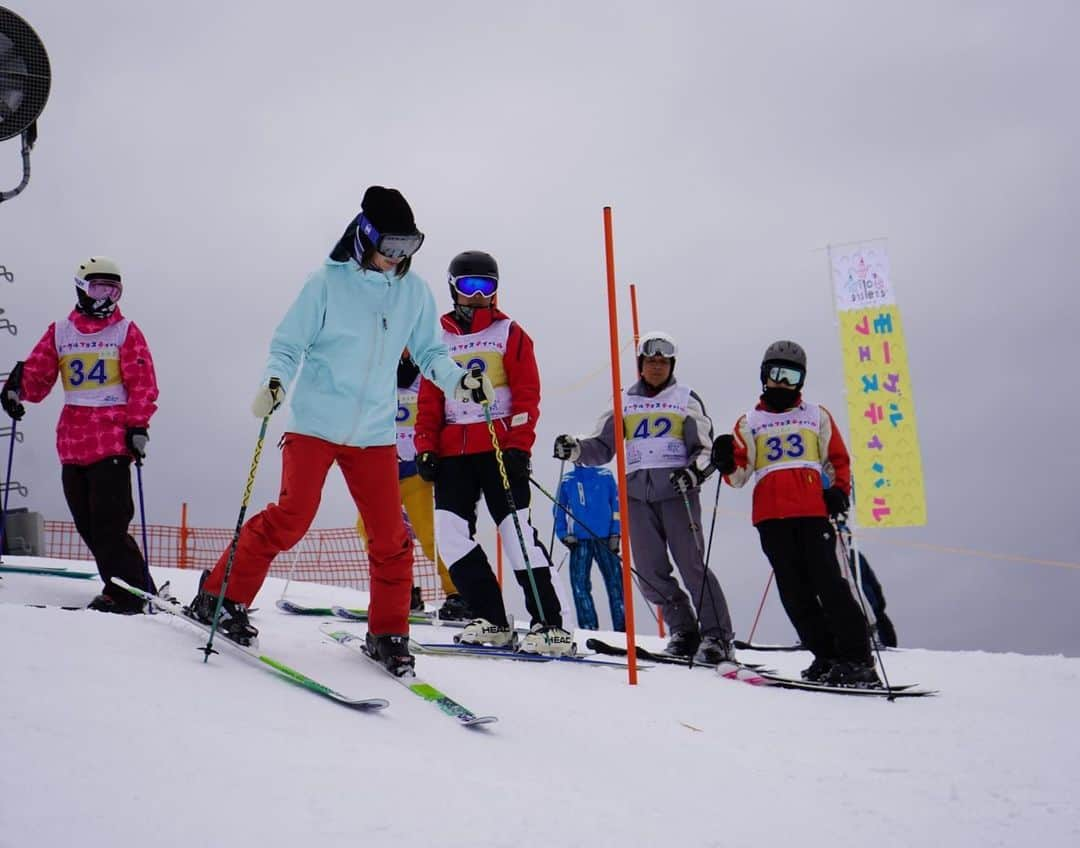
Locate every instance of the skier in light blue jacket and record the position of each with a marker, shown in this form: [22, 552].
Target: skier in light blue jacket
[344, 335]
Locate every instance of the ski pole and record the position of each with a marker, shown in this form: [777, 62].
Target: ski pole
[761, 606]
[435, 532]
[209, 649]
[558, 490]
[695, 530]
[7, 488]
[862, 602]
[633, 571]
[707, 554]
[513, 509]
[292, 568]
[150, 587]
[712, 524]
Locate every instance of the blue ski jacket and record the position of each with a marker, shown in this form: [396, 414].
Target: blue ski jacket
[345, 333]
[592, 495]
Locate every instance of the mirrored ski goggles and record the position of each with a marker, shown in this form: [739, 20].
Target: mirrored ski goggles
[471, 284]
[100, 289]
[784, 374]
[390, 245]
[658, 347]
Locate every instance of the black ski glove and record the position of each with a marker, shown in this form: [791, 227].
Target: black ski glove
[427, 465]
[518, 466]
[9, 395]
[566, 447]
[685, 479]
[136, 439]
[723, 453]
[569, 540]
[613, 543]
[836, 501]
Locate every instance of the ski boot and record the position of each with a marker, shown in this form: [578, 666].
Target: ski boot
[121, 606]
[860, 675]
[416, 600]
[683, 643]
[480, 631]
[549, 640]
[818, 671]
[455, 608]
[392, 652]
[233, 621]
[714, 650]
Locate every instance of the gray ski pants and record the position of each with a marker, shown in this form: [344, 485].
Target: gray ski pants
[655, 527]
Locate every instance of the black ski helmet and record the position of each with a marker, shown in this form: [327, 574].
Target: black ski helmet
[784, 353]
[471, 263]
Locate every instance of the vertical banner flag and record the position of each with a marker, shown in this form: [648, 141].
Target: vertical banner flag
[886, 462]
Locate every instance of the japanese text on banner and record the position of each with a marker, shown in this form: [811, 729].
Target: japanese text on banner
[886, 461]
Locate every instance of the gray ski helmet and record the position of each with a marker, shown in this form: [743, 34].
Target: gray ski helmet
[786, 352]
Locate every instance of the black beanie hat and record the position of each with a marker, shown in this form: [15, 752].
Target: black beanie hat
[390, 213]
[388, 210]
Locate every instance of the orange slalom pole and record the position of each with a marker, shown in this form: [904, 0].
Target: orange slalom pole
[637, 338]
[620, 448]
[183, 536]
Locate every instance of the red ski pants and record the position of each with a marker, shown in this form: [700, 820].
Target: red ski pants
[371, 476]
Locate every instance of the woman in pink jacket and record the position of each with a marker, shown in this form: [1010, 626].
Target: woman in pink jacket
[110, 390]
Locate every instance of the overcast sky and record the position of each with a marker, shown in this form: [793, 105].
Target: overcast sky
[217, 150]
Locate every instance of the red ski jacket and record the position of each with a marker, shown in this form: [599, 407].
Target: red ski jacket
[517, 430]
[792, 492]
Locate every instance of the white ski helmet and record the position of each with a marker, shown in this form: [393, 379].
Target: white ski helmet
[656, 342]
[100, 269]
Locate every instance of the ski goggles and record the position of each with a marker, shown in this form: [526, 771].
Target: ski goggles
[390, 245]
[471, 284]
[657, 347]
[98, 289]
[784, 374]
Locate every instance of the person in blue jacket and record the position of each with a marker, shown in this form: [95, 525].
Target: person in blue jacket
[587, 522]
[341, 341]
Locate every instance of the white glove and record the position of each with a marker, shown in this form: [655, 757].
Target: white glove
[475, 387]
[269, 398]
[566, 447]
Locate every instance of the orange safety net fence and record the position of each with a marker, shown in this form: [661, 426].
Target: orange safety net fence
[334, 557]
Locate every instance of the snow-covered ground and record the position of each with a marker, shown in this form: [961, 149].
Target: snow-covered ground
[114, 732]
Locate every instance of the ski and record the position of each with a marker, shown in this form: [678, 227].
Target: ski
[760, 676]
[458, 649]
[49, 572]
[421, 688]
[54, 606]
[362, 615]
[663, 658]
[347, 613]
[750, 646]
[279, 668]
[903, 691]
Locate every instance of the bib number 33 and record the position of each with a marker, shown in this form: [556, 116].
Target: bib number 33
[790, 446]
